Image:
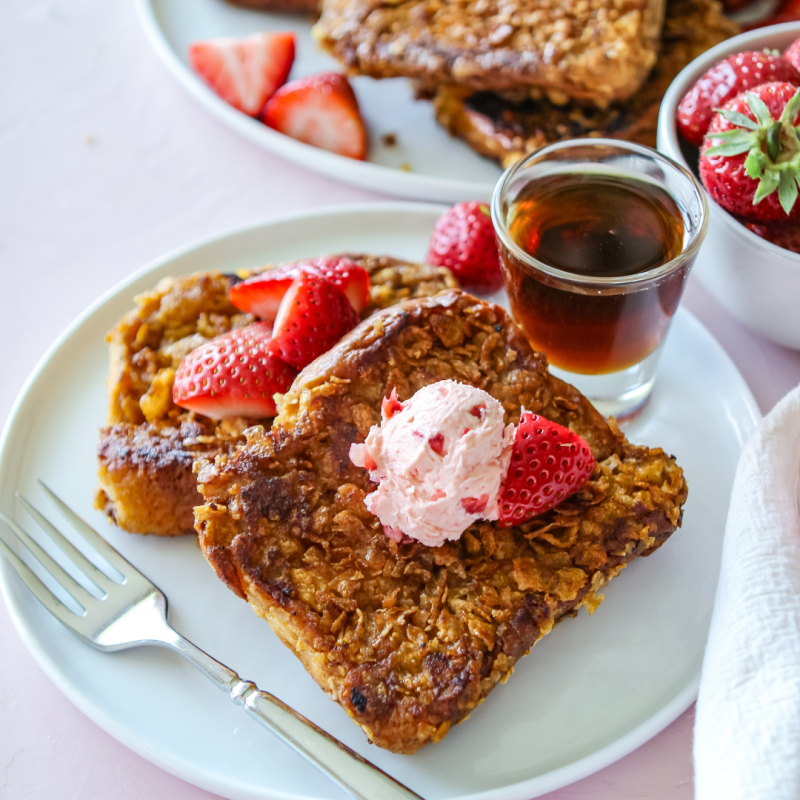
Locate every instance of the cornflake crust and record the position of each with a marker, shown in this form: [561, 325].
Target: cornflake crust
[506, 127]
[596, 50]
[409, 639]
[148, 447]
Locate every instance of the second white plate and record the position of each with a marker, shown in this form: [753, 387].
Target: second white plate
[589, 693]
[424, 164]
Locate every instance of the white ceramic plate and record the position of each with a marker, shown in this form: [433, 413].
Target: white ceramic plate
[588, 694]
[441, 168]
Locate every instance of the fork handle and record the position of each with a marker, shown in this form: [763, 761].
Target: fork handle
[341, 764]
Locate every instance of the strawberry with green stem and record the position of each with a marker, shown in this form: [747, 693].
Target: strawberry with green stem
[750, 163]
[722, 82]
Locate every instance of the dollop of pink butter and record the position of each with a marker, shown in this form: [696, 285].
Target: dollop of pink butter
[438, 459]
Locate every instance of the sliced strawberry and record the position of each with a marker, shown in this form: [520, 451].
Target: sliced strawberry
[262, 294]
[548, 463]
[463, 240]
[475, 505]
[233, 375]
[313, 316]
[346, 275]
[436, 442]
[320, 110]
[390, 405]
[245, 72]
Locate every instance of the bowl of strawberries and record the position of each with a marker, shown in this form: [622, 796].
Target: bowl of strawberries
[732, 116]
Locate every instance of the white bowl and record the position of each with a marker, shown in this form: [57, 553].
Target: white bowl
[755, 280]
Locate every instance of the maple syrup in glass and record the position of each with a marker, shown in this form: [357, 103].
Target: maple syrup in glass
[596, 241]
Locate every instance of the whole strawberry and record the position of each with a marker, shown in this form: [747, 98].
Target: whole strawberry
[463, 240]
[750, 161]
[785, 236]
[787, 11]
[548, 463]
[233, 375]
[723, 82]
[792, 54]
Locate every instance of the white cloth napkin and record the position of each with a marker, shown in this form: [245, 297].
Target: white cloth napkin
[747, 734]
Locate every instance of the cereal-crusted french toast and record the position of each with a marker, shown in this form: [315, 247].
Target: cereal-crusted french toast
[505, 128]
[597, 51]
[148, 446]
[409, 639]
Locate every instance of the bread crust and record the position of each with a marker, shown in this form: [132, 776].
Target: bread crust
[409, 639]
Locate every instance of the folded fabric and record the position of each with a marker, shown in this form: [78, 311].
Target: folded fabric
[747, 734]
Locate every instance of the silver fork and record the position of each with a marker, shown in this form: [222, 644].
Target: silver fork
[135, 613]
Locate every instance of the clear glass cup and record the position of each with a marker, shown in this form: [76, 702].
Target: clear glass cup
[602, 334]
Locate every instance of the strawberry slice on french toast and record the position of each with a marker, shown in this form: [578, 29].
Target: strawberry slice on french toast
[261, 294]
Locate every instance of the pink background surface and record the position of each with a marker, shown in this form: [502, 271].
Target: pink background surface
[106, 164]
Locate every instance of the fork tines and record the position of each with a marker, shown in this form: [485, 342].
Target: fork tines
[87, 596]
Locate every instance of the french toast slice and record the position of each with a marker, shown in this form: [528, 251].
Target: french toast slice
[148, 446]
[506, 129]
[408, 639]
[598, 51]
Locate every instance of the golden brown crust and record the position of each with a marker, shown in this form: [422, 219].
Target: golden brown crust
[505, 129]
[598, 50]
[146, 451]
[147, 470]
[408, 638]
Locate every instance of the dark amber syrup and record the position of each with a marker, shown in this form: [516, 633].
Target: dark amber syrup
[602, 226]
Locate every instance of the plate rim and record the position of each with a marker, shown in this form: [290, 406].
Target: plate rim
[363, 174]
[230, 786]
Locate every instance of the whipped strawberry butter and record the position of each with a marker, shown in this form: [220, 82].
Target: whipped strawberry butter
[439, 459]
[444, 459]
